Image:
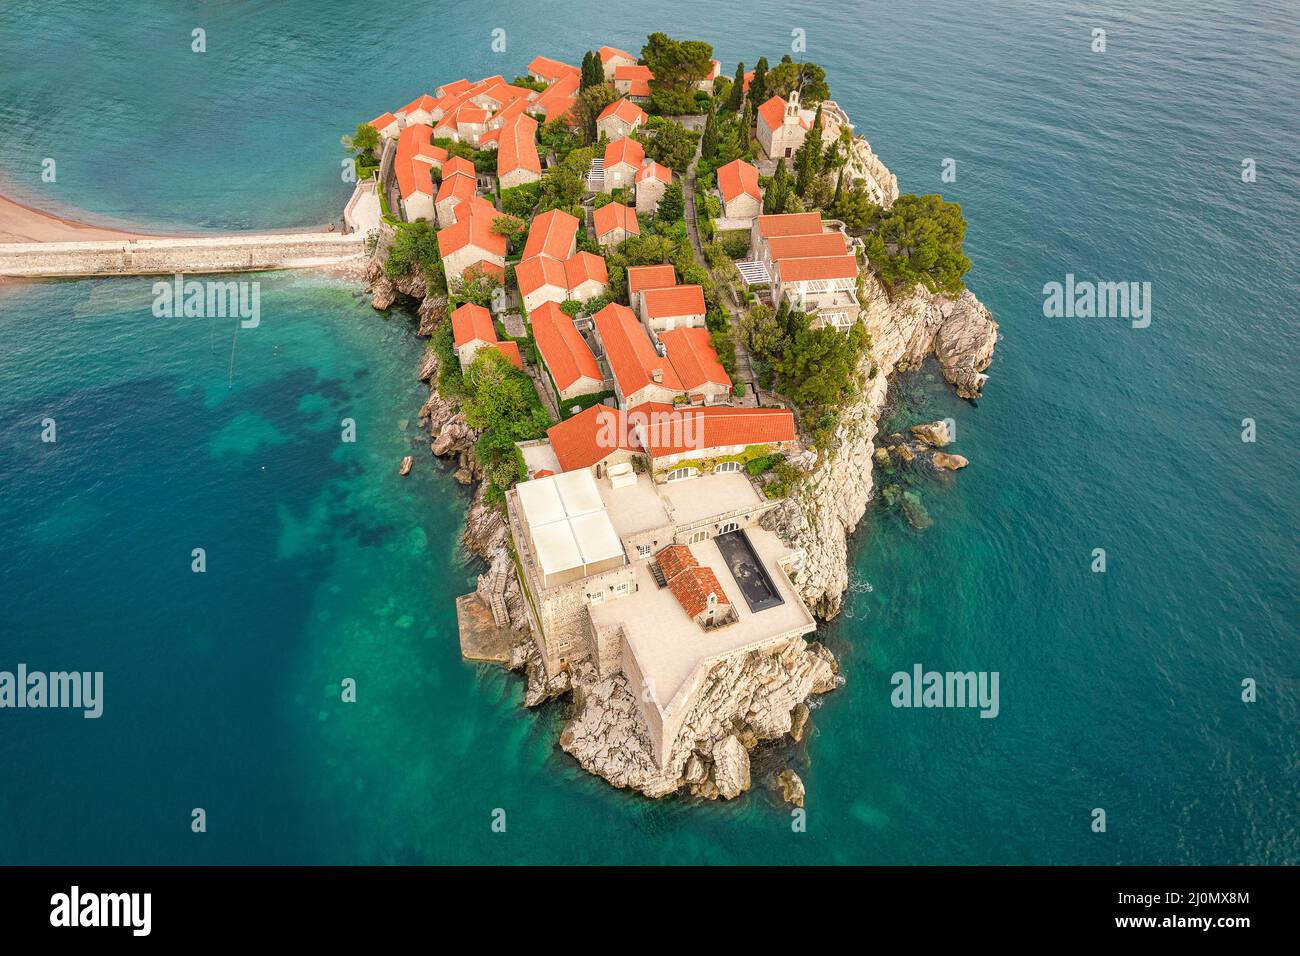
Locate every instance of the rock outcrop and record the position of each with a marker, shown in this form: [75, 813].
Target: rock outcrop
[792, 790]
[746, 699]
[933, 433]
[947, 462]
[819, 517]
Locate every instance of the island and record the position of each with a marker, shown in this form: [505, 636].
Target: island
[663, 306]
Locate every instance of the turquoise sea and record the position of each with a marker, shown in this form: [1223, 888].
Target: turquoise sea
[1119, 691]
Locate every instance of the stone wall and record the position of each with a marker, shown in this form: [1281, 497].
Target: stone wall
[170, 256]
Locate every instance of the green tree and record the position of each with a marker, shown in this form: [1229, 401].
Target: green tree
[415, 246]
[855, 208]
[737, 97]
[591, 103]
[709, 139]
[818, 369]
[808, 157]
[758, 85]
[363, 140]
[808, 78]
[669, 143]
[677, 66]
[593, 71]
[672, 206]
[777, 190]
[918, 239]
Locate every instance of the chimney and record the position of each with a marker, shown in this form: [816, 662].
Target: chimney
[657, 375]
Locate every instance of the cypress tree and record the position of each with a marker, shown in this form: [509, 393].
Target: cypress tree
[839, 189]
[758, 88]
[709, 141]
[774, 200]
[737, 97]
[808, 161]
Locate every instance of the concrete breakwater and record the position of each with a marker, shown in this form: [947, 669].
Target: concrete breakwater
[188, 255]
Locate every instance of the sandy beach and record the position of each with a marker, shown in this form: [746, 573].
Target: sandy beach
[20, 223]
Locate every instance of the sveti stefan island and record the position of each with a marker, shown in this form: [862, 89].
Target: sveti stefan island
[663, 308]
[724, 434]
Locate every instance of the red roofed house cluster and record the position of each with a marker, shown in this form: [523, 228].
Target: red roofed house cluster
[472, 329]
[811, 266]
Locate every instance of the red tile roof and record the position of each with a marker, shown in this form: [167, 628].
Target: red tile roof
[772, 113]
[558, 99]
[804, 247]
[454, 88]
[551, 70]
[613, 216]
[652, 170]
[583, 267]
[539, 272]
[383, 121]
[590, 437]
[738, 178]
[472, 229]
[690, 582]
[789, 224]
[609, 52]
[415, 175]
[518, 146]
[456, 186]
[511, 351]
[471, 322]
[638, 79]
[624, 150]
[563, 349]
[667, 430]
[649, 277]
[551, 234]
[749, 78]
[632, 358]
[422, 102]
[666, 301]
[488, 268]
[821, 267]
[625, 110]
[458, 164]
[693, 358]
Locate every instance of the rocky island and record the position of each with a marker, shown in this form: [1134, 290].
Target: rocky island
[664, 307]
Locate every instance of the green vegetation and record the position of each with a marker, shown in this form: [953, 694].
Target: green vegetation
[672, 207]
[520, 201]
[919, 239]
[758, 86]
[593, 71]
[501, 400]
[591, 103]
[736, 95]
[677, 66]
[668, 142]
[563, 186]
[808, 78]
[528, 83]
[583, 402]
[415, 247]
[364, 139]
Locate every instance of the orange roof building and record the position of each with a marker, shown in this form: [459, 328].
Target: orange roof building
[640, 373]
[633, 81]
[696, 587]
[620, 118]
[611, 58]
[614, 222]
[548, 70]
[669, 433]
[696, 363]
[591, 437]
[672, 307]
[552, 234]
[640, 278]
[517, 159]
[741, 196]
[572, 366]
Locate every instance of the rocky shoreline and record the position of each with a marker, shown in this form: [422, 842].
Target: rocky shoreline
[762, 696]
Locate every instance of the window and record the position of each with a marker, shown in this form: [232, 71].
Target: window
[678, 474]
[698, 536]
[643, 550]
[729, 527]
[621, 588]
[597, 597]
[723, 467]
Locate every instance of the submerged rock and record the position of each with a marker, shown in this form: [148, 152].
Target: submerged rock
[948, 462]
[935, 433]
[792, 790]
[407, 462]
[915, 512]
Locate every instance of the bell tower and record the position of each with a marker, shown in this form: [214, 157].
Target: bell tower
[792, 107]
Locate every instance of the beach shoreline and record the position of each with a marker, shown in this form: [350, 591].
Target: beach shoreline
[20, 222]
